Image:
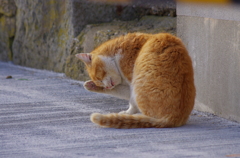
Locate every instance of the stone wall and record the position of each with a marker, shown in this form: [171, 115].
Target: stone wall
[7, 28]
[212, 36]
[41, 33]
[94, 35]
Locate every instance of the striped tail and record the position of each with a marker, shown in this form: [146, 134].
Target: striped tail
[115, 120]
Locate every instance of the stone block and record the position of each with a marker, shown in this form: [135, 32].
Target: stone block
[212, 36]
[93, 35]
[43, 34]
[45, 28]
[88, 12]
[7, 28]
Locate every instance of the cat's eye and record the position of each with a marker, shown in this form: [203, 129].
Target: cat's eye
[90, 58]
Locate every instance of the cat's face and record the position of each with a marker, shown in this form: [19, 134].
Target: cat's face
[102, 70]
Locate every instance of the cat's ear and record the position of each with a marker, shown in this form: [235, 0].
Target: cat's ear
[85, 57]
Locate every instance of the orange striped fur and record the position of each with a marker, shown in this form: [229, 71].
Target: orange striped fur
[153, 72]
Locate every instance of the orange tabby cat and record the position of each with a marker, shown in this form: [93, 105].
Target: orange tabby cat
[153, 72]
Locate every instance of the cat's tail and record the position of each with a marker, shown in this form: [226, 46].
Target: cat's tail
[115, 120]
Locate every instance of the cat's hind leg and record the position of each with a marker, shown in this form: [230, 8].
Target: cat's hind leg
[133, 108]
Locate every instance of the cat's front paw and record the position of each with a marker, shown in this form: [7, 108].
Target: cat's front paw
[91, 86]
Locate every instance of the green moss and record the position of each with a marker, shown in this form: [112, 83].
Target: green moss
[81, 38]
[36, 27]
[2, 21]
[62, 35]
[10, 53]
[7, 34]
[78, 44]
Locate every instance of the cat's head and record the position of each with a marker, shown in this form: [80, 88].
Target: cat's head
[101, 69]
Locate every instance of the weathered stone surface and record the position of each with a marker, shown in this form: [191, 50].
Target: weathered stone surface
[7, 28]
[45, 29]
[43, 34]
[93, 35]
[157, 7]
[147, 7]
[7, 7]
[87, 12]
[74, 68]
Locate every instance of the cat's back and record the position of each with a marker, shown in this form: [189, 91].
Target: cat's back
[163, 76]
[164, 53]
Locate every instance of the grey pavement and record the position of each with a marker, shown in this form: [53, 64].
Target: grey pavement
[43, 114]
